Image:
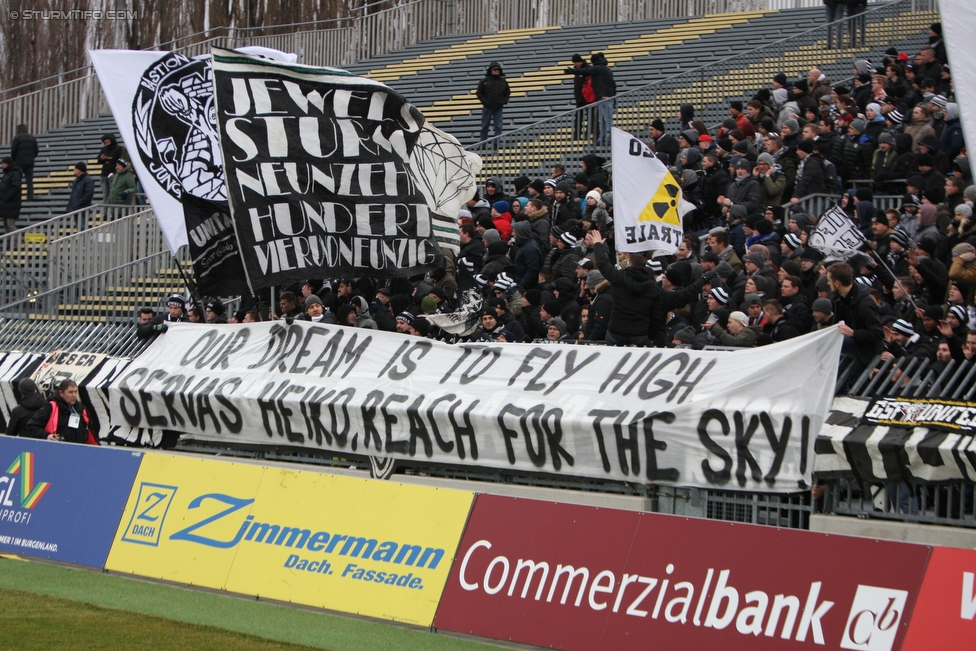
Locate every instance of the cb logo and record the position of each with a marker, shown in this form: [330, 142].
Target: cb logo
[873, 622]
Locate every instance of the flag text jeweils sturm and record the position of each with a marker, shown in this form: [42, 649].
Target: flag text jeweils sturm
[316, 163]
[694, 418]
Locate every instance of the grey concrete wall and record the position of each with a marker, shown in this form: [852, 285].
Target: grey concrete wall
[926, 534]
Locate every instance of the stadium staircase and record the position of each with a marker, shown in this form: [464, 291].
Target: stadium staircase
[658, 64]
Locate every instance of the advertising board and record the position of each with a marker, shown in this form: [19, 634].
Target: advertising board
[373, 548]
[582, 578]
[62, 501]
[945, 614]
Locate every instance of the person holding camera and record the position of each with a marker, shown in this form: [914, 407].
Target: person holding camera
[62, 419]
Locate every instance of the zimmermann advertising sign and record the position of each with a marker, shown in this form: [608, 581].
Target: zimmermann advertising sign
[360, 546]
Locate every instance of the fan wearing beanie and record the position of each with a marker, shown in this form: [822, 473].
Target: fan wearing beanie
[739, 334]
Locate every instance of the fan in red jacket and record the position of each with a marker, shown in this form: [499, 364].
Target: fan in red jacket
[503, 219]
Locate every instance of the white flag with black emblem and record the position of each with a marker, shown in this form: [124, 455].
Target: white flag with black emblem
[648, 206]
[836, 236]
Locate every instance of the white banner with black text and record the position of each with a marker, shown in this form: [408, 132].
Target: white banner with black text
[714, 419]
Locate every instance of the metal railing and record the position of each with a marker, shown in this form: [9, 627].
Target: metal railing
[24, 252]
[564, 137]
[75, 95]
[117, 339]
[817, 204]
[109, 245]
[948, 502]
[111, 296]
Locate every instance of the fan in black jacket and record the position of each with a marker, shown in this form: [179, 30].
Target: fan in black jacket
[30, 402]
[665, 146]
[634, 293]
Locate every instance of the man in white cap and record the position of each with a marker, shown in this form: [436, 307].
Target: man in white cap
[740, 333]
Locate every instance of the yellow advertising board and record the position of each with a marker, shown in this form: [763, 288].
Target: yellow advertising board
[183, 517]
[361, 546]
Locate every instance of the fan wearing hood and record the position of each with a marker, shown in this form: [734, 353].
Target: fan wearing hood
[493, 93]
[596, 176]
[951, 141]
[527, 255]
[494, 192]
[30, 401]
[109, 155]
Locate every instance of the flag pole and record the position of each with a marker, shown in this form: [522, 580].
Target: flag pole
[877, 257]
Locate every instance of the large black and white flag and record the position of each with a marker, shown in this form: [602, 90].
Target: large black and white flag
[329, 171]
[836, 236]
[164, 107]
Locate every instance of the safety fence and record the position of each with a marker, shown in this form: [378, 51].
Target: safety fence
[817, 204]
[25, 252]
[110, 296]
[117, 339]
[532, 149]
[75, 95]
[106, 246]
[919, 465]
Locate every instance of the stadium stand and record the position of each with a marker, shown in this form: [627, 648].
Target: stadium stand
[658, 64]
[60, 149]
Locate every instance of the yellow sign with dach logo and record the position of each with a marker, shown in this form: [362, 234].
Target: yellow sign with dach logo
[368, 547]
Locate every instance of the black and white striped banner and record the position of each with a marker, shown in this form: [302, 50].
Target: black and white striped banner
[850, 445]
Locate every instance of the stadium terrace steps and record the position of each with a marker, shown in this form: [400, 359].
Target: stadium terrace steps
[60, 149]
[710, 94]
[439, 76]
[653, 66]
[448, 55]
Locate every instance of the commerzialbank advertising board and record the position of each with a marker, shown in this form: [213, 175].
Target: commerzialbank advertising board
[379, 549]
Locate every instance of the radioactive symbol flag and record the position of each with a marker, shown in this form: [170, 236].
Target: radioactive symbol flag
[647, 204]
[663, 206]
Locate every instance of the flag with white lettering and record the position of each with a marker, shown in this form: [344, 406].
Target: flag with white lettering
[836, 236]
[213, 248]
[648, 207]
[163, 105]
[327, 171]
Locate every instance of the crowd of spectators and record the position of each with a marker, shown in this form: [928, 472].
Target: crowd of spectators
[538, 255]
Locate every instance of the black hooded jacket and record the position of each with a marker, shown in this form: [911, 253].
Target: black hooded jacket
[10, 193]
[634, 294]
[22, 413]
[595, 174]
[23, 148]
[603, 84]
[110, 154]
[493, 91]
[860, 312]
